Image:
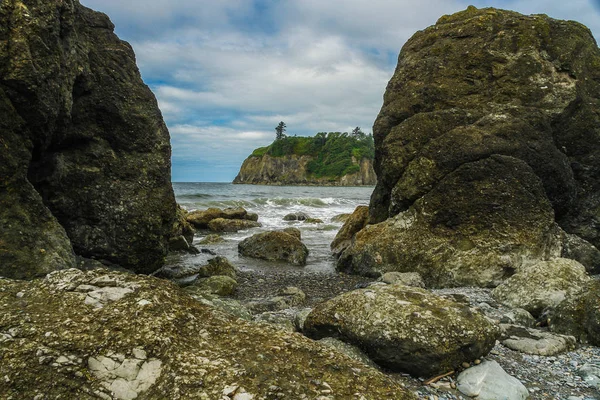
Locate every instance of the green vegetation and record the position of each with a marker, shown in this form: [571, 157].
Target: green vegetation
[332, 152]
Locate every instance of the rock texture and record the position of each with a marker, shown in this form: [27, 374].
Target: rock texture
[534, 341]
[201, 218]
[275, 246]
[579, 315]
[353, 224]
[405, 328]
[85, 149]
[155, 342]
[291, 170]
[480, 84]
[541, 286]
[488, 381]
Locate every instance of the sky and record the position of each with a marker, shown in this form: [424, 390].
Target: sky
[225, 72]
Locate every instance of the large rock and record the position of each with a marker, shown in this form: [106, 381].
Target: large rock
[405, 328]
[541, 286]
[149, 339]
[231, 225]
[478, 225]
[534, 341]
[84, 147]
[353, 224]
[579, 315]
[478, 84]
[274, 246]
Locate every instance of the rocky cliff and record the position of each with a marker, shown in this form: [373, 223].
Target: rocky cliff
[85, 166]
[292, 170]
[488, 135]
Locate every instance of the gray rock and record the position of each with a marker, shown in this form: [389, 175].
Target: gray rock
[280, 319]
[217, 284]
[579, 314]
[299, 216]
[213, 238]
[300, 318]
[542, 285]
[217, 266]
[286, 298]
[274, 246]
[534, 341]
[518, 316]
[353, 224]
[405, 328]
[581, 250]
[590, 373]
[403, 278]
[488, 381]
[231, 225]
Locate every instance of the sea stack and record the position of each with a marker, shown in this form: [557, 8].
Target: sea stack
[485, 150]
[85, 166]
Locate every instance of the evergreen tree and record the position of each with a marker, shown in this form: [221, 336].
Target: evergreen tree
[357, 132]
[280, 130]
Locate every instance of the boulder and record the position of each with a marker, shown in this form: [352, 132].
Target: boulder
[223, 304]
[353, 224]
[590, 373]
[349, 350]
[154, 341]
[542, 285]
[579, 315]
[521, 87]
[405, 328]
[213, 238]
[478, 225]
[85, 160]
[581, 250]
[283, 319]
[518, 316]
[535, 341]
[217, 266]
[200, 219]
[295, 232]
[219, 285]
[298, 216]
[488, 381]
[403, 278]
[340, 218]
[274, 246]
[313, 221]
[231, 225]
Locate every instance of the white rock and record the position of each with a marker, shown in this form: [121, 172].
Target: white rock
[488, 381]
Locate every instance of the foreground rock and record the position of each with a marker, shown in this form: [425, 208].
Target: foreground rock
[148, 339]
[404, 328]
[201, 219]
[488, 381]
[85, 151]
[541, 286]
[275, 246]
[579, 315]
[534, 341]
[476, 160]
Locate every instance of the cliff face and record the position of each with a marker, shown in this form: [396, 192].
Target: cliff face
[292, 170]
[488, 135]
[85, 163]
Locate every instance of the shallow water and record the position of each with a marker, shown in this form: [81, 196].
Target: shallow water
[272, 203]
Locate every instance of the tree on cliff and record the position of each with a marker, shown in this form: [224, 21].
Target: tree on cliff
[280, 131]
[357, 132]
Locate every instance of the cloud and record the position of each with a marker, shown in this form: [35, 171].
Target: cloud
[226, 72]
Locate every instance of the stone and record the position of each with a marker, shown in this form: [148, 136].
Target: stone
[213, 238]
[445, 235]
[181, 227]
[403, 278]
[280, 319]
[578, 315]
[405, 328]
[274, 246]
[231, 225]
[201, 218]
[581, 250]
[298, 216]
[286, 298]
[518, 316]
[224, 304]
[542, 285]
[179, 243]
[535, 341]
[510, 86]
[217, 266]
[184, 342]
[353, 224]
[313, 221]
[488, 381]
[86, 153]
[216, 284]
[295, 232]
[340, 218]
[590, 373]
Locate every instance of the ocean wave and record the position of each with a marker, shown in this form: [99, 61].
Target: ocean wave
[300, 201]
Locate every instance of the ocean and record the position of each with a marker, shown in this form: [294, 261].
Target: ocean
[272, 203]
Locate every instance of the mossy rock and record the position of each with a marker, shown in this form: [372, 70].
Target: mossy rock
[405, 328]
[231, 225]
[157, 341]
[274, 246]
[578, 315]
